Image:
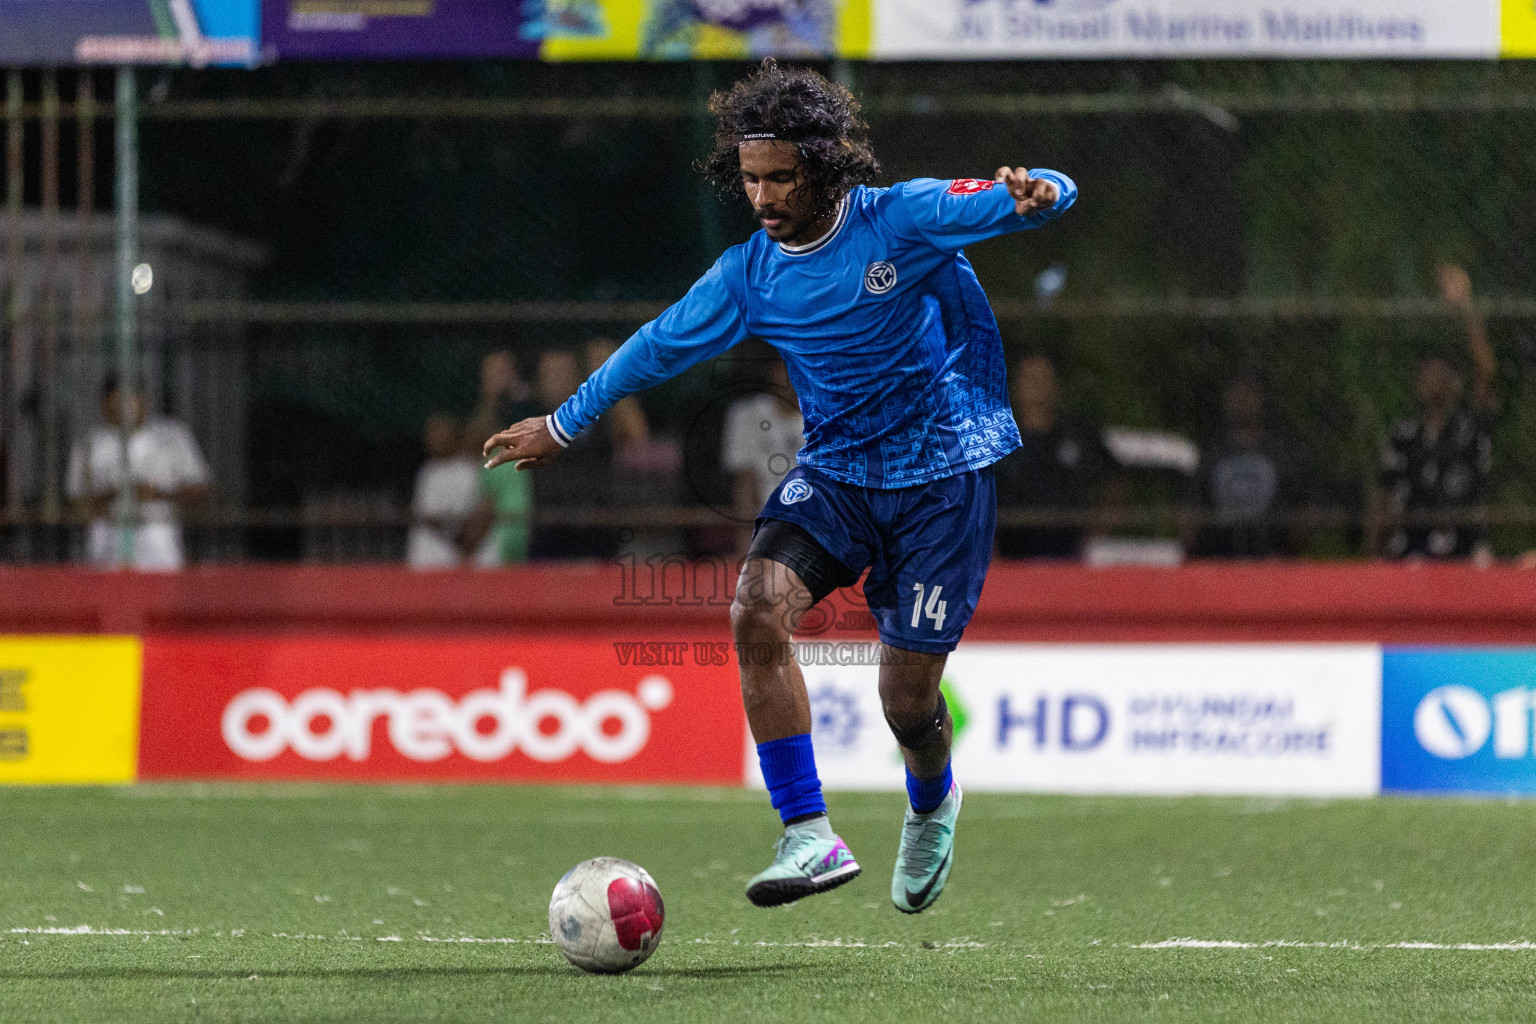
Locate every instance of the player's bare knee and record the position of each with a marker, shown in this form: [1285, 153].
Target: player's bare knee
[756, 620]
[762, 611]
[906, 712]
[907, 698]
[904, 709]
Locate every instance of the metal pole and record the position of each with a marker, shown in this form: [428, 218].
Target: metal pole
[87, 350]
[48, 369]
[10, 400]
[127, 310]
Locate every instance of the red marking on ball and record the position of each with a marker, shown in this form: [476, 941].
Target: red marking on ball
[969, 186]
[636, 911]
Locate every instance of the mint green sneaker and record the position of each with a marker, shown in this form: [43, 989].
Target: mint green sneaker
[803, 865]
[926, 855]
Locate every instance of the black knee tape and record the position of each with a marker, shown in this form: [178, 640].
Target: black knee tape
[926, 731]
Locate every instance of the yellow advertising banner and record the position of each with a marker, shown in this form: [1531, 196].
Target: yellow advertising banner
[69, 709]
[1519, 28]
[712, 29]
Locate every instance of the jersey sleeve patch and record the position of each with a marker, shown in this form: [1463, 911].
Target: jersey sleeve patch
[969, 186]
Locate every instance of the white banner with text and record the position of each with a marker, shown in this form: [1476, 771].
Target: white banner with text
[1298, 720]
[957, 29]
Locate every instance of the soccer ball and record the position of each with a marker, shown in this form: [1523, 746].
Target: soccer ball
[606, 915]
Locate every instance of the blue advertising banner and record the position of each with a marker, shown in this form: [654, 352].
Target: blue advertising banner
[64, 32]
[1458, 720]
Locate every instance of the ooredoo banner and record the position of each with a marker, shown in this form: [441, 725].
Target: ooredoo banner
[1154, 719]
[448, 708]
[955, 29]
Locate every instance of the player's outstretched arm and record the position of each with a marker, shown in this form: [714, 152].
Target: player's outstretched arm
[704, 323]
[950, 215]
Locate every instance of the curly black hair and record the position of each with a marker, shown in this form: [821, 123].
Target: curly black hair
[819, 117]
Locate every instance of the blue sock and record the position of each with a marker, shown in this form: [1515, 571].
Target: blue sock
[789, 769]
[927, 794]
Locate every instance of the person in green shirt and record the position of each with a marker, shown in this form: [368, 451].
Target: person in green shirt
[500, 523]
[498, 532]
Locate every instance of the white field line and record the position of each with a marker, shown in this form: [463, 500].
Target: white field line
[949, 945]
[85, 929]
[1474, 947]
[241, 933]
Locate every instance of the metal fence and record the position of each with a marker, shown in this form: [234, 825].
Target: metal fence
[334, 250]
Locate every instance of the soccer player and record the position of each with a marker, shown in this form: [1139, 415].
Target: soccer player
[898, 364]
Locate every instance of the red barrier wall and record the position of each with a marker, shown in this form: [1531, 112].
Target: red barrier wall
[1355, 602]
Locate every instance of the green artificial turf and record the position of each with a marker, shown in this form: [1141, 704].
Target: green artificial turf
[304, 903]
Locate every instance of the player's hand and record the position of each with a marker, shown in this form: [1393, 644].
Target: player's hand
[524, 444]
[1030, 195]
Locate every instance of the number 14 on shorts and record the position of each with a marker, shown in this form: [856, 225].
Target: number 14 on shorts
[934, 609]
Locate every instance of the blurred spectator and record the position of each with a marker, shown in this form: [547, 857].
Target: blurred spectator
[165, 467]
[626, 422]
[498, 531]
[447, 493]
[1435, 467]
[1249, 480]
[580, 478]
[1058, 470]
[646, 471]
[504, 398]
[596, 352]
[761, 438]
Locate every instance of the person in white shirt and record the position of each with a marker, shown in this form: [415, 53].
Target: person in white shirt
[447, 493]
[762, 435]
[166, 469]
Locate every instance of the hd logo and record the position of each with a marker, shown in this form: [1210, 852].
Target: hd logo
[1460, 720]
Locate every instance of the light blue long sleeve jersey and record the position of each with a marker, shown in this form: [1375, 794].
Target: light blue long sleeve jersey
[890, 342]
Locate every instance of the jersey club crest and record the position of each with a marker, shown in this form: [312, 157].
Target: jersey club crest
[795, 491]
[879, 277]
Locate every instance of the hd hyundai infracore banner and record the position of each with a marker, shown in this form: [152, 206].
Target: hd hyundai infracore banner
[1144, 718]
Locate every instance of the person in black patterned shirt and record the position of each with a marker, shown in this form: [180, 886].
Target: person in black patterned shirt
[1435, 467]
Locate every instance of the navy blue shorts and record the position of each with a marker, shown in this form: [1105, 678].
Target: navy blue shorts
[926, 547]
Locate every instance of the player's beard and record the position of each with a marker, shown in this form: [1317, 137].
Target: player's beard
[791, 230]
[786, 228]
